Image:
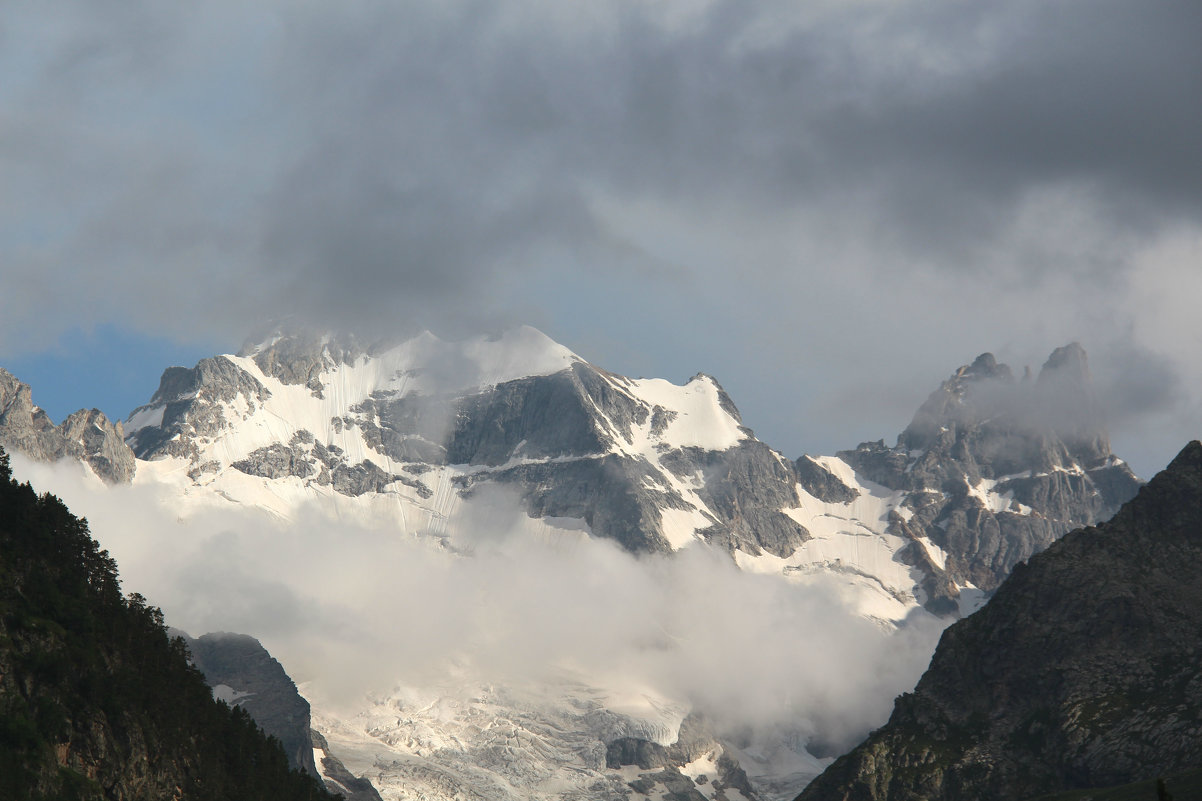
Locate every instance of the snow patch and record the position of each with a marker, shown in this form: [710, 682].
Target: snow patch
[850, 541]
[970, 599]
[145, 417]
[937, 554]
[227, 694]
[699, 420]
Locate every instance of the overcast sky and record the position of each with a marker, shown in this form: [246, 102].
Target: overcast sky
[826, 205]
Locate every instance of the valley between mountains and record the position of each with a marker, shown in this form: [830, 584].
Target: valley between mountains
[497, 571]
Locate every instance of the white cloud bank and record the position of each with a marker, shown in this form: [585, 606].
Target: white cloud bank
[356, 609]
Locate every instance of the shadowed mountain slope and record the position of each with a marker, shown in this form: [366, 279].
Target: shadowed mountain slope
[1081, 672]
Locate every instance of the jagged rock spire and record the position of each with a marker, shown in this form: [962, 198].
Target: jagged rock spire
[87, 435]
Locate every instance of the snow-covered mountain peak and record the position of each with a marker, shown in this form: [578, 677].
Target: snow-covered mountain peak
[309, 359]
[634, 459]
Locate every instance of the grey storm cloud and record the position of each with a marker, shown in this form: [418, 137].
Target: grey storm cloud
[622, 174]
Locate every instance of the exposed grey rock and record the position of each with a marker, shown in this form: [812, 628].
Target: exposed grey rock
[204, 468]
[87, 435]
[363, 477]
[605, 491]
[1082, 671]
[938, 588]
[407, 429]
[634, 751]
[1044, 443]
[263, 689]
[296, 357]
[747, 486]
[548, 416]
[822, 483]
[277, 461]
[621, 497]
[308, 458]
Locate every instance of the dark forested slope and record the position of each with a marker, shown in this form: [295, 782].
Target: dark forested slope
[96, 701]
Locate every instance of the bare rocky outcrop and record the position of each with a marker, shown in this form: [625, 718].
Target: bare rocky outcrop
[86, 435]
[822, 483]
[1080, 672]
[580, 417]
[242, 673]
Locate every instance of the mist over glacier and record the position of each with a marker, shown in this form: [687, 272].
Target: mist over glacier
[353, 609]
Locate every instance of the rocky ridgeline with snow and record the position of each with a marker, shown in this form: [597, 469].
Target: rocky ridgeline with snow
[995, 469]
[644, 462]
[411, 434]
[990, 471]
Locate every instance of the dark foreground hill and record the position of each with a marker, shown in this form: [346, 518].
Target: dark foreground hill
[96, 701]
[1084, 671]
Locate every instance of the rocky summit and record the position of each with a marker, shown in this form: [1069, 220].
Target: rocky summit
[995, 469]
[643, 462]
[1081, 671]
[85, 435]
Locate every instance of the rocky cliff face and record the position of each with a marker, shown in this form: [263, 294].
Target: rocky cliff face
[242, 673]
[996, 468]
[1081, 672]
[338, 779]
[85, 435]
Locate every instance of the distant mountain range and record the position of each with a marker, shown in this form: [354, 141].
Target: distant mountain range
[992, 470]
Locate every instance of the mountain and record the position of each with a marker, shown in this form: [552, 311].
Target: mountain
[1081, 672]
[242, 673]
[95, 701]
[990, 471]
[994, 469]
[432, 440]
[648, 463]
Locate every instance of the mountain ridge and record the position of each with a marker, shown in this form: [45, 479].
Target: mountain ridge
[989, 471]
[319, 429]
